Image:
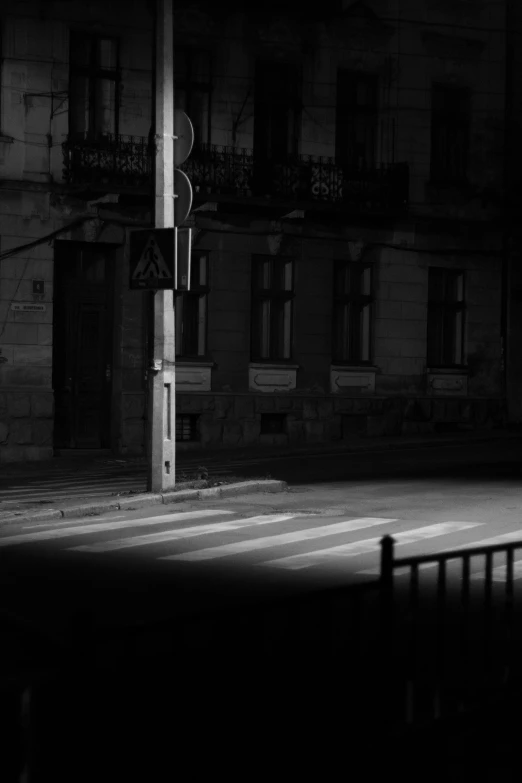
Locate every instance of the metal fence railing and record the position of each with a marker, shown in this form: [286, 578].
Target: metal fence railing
[450, 629]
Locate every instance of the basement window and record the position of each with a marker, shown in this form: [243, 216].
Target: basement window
[187, 428]
[273, 423]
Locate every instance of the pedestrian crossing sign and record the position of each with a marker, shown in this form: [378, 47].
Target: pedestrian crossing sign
[152, 259]
[151, 263]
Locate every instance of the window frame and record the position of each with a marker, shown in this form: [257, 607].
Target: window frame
[271, 294]
[452, 121]
[440, 309]
[191, 86]
[193, 420]
[348, 110]
[285, 101]
[196, 293]
[93, 73]
[341, 298]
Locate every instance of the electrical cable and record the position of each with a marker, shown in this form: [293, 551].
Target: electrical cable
[459, 252]
[328, 238]
[47, 238]
[29, 246]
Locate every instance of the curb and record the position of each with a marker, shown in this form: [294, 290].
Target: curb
[146, 499]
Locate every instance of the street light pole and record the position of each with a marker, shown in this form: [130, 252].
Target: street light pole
[161, 418]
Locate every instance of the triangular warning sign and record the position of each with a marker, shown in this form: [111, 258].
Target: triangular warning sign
[151, 263]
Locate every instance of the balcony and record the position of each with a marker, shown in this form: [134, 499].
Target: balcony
[110, 163]
[124, 163]
[302, 180]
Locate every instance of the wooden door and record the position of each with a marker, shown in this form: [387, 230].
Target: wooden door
[82, 353]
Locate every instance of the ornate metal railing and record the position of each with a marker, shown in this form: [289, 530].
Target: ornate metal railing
[111, 160]
[215, 169]
[125, 161]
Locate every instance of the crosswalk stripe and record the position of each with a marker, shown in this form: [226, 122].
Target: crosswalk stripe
[266, 542]
[98, 527]
[513, 535]
[369, 545]
[186, 532]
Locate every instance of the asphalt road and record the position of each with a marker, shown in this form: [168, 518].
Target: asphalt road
[451, 497]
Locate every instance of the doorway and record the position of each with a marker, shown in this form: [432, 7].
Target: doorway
[82, 344]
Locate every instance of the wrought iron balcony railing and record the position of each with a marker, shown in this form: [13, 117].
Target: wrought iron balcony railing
[108, 161]
[217, 170]
[125, 161]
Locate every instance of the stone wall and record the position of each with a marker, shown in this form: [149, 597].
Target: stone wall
[228, 421]
[26, 426]
[26, 401]
[235, 420]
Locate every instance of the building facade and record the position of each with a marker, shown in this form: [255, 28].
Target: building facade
[513, 180]
[349, 244]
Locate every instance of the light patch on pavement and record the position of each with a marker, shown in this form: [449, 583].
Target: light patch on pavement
[186, 532]
[503, 538]
[267, 542]
[499, 574]
[103, 527]
[368, 546]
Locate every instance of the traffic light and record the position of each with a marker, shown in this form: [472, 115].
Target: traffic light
[183, 141]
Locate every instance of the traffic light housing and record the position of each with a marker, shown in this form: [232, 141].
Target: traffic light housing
[183, 141]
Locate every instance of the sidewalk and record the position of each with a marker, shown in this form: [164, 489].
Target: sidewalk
[90, 485]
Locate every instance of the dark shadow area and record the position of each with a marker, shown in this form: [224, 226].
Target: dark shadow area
[458, 462]
[262, 696]
[145, 671]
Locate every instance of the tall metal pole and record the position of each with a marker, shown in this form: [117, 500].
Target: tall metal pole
[162, 401]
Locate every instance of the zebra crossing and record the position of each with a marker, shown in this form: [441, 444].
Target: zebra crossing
[274, 542]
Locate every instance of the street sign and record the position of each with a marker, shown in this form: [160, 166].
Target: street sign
[26, 307]
[152, 259]
[183, 137]
[183, 197]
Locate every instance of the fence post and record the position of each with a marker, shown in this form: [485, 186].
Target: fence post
[386, 600]
[386, 581]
